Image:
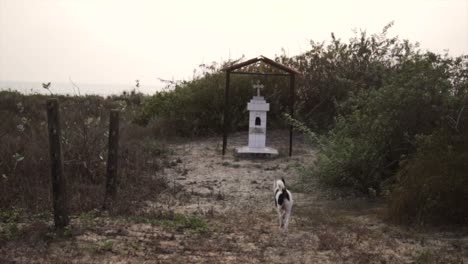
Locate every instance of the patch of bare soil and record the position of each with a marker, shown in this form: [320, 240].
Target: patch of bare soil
[230, 218]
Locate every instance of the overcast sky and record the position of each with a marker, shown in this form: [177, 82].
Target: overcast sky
[112, 41]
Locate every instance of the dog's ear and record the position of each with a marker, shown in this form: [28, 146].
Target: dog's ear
[283, 181]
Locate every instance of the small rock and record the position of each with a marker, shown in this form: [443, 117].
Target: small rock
[113, 232]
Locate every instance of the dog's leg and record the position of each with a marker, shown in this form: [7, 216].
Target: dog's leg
[280, 218]
[286, 220]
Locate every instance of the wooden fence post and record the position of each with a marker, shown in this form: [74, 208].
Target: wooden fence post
[227, 116]
[112, 159]
[59, 192]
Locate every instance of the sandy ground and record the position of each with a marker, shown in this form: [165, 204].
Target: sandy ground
[234, 197]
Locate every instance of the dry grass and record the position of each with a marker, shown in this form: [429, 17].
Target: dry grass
[24, 156]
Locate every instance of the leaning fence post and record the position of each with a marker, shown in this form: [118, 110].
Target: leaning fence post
[59, 192]
[112, 158]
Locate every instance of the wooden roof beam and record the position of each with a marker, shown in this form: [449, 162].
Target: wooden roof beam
[265, 60]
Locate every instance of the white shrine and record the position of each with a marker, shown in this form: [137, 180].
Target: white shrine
[258, 109]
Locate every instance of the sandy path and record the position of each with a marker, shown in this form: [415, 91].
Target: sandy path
[228, 184]
[236, 195]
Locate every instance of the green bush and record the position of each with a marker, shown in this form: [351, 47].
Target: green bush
[191, 108]
[365, 146]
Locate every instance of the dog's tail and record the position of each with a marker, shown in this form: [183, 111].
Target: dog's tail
[280, 185]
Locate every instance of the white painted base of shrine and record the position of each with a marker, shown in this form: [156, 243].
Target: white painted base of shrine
[265, 150]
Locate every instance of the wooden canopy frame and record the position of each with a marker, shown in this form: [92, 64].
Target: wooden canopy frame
[232, 70]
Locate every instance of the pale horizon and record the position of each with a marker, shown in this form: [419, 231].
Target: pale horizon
[117, 42]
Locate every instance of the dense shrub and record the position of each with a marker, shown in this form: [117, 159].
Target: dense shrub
[364, 147]
[432, 186]
[190, 108]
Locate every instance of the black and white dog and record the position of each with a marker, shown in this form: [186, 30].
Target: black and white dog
[283, 202]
